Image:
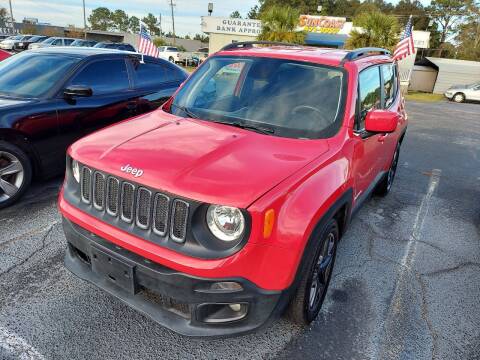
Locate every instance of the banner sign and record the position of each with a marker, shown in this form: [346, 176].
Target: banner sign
[217, 25]
[323, 24]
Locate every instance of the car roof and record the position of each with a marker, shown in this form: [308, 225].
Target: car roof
[326, 56]
[80, 51]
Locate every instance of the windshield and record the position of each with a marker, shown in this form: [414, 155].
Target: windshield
[277, 96]
[30, 75]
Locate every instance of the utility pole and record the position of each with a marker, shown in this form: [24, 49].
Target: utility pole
[160, 24]
[11, 16]
[84, 21]
[173, 22]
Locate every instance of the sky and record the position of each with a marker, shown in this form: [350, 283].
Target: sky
[187, 12]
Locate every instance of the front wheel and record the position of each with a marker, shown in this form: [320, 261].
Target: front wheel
[15, 173]
[171, 59]
[385, 185]
[459, 98]
[308, 299]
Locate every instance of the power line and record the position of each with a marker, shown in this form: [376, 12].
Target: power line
[173, 21]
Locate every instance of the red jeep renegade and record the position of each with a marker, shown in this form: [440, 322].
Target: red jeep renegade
[223, 209]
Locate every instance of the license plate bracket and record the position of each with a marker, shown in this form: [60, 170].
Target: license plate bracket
[114, 269]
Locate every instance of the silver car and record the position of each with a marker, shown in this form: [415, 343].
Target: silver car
[461, 93]
[53, 41]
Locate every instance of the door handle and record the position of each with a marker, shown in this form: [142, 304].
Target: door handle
[382, 138]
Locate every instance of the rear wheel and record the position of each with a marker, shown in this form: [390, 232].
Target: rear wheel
[15, 173]
[308, 299]
[459, 98]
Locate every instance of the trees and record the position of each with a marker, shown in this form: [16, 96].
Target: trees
[3, 17]
[468, 37]
[236, 15]
[446, 13]
[101, 19]
[134, 24]
[253, 13]
[378, 29]
[151, 21]
[120, 20]
[279, 23]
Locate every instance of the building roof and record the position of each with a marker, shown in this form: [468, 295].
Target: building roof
[455, 65]
[454, 72]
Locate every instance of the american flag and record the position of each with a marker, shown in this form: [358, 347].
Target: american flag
[405, 47]
[146, 45]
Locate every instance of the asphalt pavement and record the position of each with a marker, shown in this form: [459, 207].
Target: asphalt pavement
[406, 284]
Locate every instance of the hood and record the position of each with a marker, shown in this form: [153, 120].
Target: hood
[196, 159]
[6, 102]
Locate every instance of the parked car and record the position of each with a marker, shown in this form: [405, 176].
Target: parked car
[51, 97]
[4, 36]
[84, 43]
[4, 55]
[53, 41]
[170, 53]
[117, 46]
[216, 213]
[461, 93]
[7, 44]
[23, 44]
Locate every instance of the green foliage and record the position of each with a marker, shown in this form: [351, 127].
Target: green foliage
[202, 38]
[101, 19]
[468, 38]
[447, 13]
[253, 13]
[378, 30]
[134, 24]
[235, 15]
[3, 17]
[279, 23]
[159, 42]
[120, 20]
[151, 21]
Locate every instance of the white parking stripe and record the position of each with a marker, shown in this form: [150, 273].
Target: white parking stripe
[18, 347]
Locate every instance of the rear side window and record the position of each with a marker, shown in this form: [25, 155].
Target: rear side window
[369, 93]
[69, 41]
[104, 76]
[389, 84]
[149, 74]
[57, 42]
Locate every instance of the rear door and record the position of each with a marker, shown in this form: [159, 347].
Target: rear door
[367, 157]
[113, 98]
[155, 81]
[474, 93]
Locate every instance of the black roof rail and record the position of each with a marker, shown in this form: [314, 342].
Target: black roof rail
[364, 52]
[249, 44]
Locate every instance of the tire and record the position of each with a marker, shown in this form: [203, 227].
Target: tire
[458, 98]
[171, 59]
[310, 294]
[385, 185]
[15, 173]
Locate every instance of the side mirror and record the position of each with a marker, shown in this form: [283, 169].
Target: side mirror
[77, 91]
[381, 121]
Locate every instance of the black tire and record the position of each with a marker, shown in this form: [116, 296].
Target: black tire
[459, 98]
[302, 309]
[171, 59]
[385, 185]
[8, 152]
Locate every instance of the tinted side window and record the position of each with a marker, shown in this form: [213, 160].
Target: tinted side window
[369, 93]
[389, 84]
[104, 76]
[68, 41]
[149, 74]
[57, 42]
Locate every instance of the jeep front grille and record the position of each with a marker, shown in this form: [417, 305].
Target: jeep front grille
[132, 204]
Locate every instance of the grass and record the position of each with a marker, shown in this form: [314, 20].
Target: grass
[190, 69]
[423, 97]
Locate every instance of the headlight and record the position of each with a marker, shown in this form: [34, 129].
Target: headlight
[76, 170]
[225, 222]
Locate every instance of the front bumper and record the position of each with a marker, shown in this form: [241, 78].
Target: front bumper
[183, 303]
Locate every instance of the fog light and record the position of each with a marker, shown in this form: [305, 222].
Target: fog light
[235, 307]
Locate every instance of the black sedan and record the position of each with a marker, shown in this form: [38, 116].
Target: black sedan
[23, 43]
[50, 97]
[117, 46]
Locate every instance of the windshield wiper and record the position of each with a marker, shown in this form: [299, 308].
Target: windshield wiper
[259, 129]
[186, 110]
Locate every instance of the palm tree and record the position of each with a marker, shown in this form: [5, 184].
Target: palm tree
[375, 29]
[279, 23]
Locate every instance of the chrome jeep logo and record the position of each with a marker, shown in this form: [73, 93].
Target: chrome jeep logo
[131, 170]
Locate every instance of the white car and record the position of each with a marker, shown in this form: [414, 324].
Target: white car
[169, 53]
[53, 41]
[461, 93]
[7, 44]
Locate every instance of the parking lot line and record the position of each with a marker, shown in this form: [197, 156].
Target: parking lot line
[17, 346]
